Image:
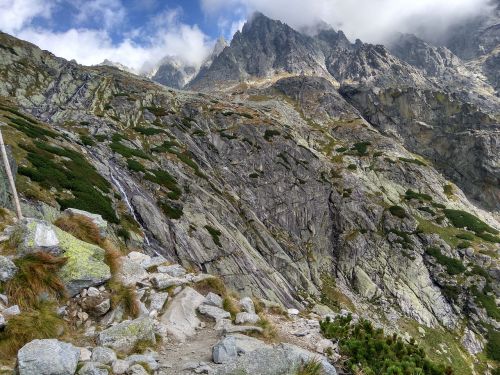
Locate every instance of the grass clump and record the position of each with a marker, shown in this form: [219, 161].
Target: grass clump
[311, 367]
[465, 236]
[488, 303]
[231, 306]
[413, 161]
[135, 166]
[157, 111]
[398, 211]
[448, 190]
[81, 227]
[462, 219]
[124, 295]
[369, 351]
[148, 131]
[352, 167]
[215, 233]
[493, 345]
[37, 274]
[453, 266]
[172, 211]
[361, 148]
[127, 152]
[211, 284]
[39, 322]
[410, 194]
[87, 141]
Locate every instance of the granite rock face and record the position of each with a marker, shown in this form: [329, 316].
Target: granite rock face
[47, 357]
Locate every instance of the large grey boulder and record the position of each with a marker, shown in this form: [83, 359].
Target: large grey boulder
[7, 269]
[123, 336]
[39, 235]
[157, 301]
[282, 359]
[47, 357]
[231, 346]
[214, 312]
[174, 270]
[180, 317]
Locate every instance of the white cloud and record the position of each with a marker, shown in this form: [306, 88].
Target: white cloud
[369, 20]
[139, 48]
[16, 14]
[109, 12]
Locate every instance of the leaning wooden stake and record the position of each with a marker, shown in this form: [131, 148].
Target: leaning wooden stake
[9, 175]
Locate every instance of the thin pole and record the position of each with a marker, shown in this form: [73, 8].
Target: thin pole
[9, 175]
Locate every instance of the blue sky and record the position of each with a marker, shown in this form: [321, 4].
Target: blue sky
[139, 33]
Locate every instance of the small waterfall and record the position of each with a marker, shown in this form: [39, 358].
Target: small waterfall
[129, 205]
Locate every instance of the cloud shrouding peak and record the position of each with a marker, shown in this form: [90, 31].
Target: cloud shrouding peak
[369, 20]
[139, 48]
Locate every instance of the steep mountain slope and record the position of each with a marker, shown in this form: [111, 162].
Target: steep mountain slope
[285, 189]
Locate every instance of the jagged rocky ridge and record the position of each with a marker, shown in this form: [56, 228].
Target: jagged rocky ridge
[284, 187]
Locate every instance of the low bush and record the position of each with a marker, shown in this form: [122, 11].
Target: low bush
[463, 219]
[135, 166]
[165, 179]
[171, 211]
[410, 194]
[488, 303]
[37, 274]
[413, 161]
[270, 133]
[398, 211]
[369, 351]
[361, 148]
[39, 322]
[87, 141]
[493, 345]
[453, 266]
[465, 236]
[126, 296]
[127, 152]
[215, 234]
[311, 367]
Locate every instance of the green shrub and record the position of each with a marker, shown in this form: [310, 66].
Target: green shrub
[166, 146]
[135, 166]
[270, 133]
[369, 351]
[157, 111]
[148, 131]
[398, 211]
[427, 209]
[311, 367]
[171, 211]
[31, 130]
[463, 245]
[489, 237]
[341, 149]
[165, 179]
[413, 161]
[462, 219]
[352, 167]
[127, 152]
[215, 234]
[465, 236]
[453, 266]
[410, 194]
[361, 148]
[87, 141]
[448, 190]
[493, 345]
[488, 302]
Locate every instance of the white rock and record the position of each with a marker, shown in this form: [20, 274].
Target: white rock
[103, 355]
[93, 292]
[247, 305]
[245, 317]
[293, 312]
[120, 367]
[163, 280]
[85, 354]
[323, 345]
[157, 301]
[138, 257]
[214, 312]
[11, 311]
[213, 300]
[180, 317]
[2, 321]
[47, 357]
[175, 270]
[137, 370]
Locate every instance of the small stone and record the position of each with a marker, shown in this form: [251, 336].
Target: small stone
[103, 355]
[293, 312]
[7, 269]
[83, 293]
[157, 301]
[125, 335]
[245, 317]
[93, 368]
[102, 308]
[120, 367]
[11, 311]
[143, 358]
[204, 369]
[93, 292]
[247, 305]
[175, 270]
[85, 354]
[213, 300]
[214, 312]
[136, 370]
[323, 345]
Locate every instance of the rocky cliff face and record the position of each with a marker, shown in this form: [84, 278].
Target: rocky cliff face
[287, 187]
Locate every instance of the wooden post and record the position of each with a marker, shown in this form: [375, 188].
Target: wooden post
[9, 175]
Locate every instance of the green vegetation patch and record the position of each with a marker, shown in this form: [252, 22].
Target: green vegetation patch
[413, 161]
[148, 131]
[369, 351]
[86, 140]
[462, 219]
[157, 111]
[135, 166]
[410, 194]
[361, 148]
[215, 233]
[487, 302]
[173, 211]
[398, 211]
[73, 173]
[165, 179]
[30, 129]
[125, 151]
[453, 266]
[493, 345]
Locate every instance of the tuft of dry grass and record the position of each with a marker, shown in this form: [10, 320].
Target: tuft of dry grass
[269, 330]
[37, 273]
[311, 367]
[124, 295]
[81, 227]
[212, 284]
[231, 305]
[259, 305]
[40, 322]
[15, 239]
[112, 257]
